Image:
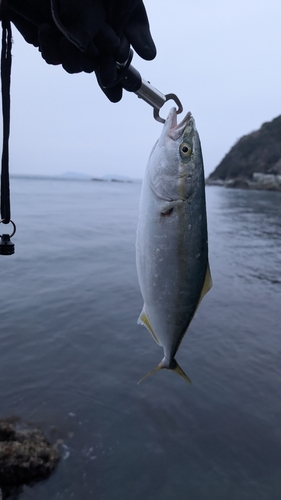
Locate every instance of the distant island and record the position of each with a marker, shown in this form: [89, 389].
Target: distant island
[78, 176]
[104, 178]
[254, 162]
[112, 178]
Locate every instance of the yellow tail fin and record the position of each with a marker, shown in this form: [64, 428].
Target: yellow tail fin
[181, 373]
[175, 368]
[158, 367]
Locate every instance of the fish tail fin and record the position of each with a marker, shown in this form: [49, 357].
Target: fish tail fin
[156, 369]
[181, 373]
[175, 368]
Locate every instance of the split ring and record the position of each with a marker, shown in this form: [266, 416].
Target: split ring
[14, 227]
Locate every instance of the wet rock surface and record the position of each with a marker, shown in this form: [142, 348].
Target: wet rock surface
[26, 456]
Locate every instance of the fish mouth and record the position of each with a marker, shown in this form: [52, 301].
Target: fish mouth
[177, 129]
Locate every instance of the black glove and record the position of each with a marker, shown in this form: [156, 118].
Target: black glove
[84, 35]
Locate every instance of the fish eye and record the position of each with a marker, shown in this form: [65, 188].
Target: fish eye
[185, 150]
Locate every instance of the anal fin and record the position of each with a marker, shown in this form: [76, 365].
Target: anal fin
[143, 320]
[208, 283]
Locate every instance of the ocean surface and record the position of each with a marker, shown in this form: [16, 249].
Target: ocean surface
[71, 352]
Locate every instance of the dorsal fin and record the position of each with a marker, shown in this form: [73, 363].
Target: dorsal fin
[143, 320]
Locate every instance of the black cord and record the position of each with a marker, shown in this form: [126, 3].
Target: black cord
[6, 63]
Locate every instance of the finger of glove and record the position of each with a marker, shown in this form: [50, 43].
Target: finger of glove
[56, 49]
[107, 70]
[114, 94]
[106, 40]
[138, 33]
[123, 51]
[88, 64]
[49, 43]
[70, 56]
[92, 50]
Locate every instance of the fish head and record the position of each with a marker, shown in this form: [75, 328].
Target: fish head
[175, 164]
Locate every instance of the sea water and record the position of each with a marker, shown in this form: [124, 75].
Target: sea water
[71, 352]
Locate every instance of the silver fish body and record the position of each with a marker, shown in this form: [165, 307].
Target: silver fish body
[172, 241]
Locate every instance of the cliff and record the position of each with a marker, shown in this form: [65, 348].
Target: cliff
[254, 161]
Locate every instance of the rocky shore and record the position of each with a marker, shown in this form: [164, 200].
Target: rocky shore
[254, 162]
[26, 456]
[269, 182]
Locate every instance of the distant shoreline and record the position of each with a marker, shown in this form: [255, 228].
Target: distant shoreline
[73, 178]
[259, 181]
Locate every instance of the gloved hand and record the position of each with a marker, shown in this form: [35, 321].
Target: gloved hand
[84, 35]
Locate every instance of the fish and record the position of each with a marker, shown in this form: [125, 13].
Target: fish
[172, 239]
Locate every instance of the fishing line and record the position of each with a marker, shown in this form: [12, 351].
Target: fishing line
[6, 246]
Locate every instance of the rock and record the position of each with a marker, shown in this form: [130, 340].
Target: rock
[7, 431]
[256, 153]
[25, 456]
[214, 182]
[237, 183]
[266, 181]
[276, 168]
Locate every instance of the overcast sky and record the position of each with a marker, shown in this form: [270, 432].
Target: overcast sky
[221, 57]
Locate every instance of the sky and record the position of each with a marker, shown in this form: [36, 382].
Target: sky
[222, 58]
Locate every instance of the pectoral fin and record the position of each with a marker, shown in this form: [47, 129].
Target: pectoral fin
[143, 320]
